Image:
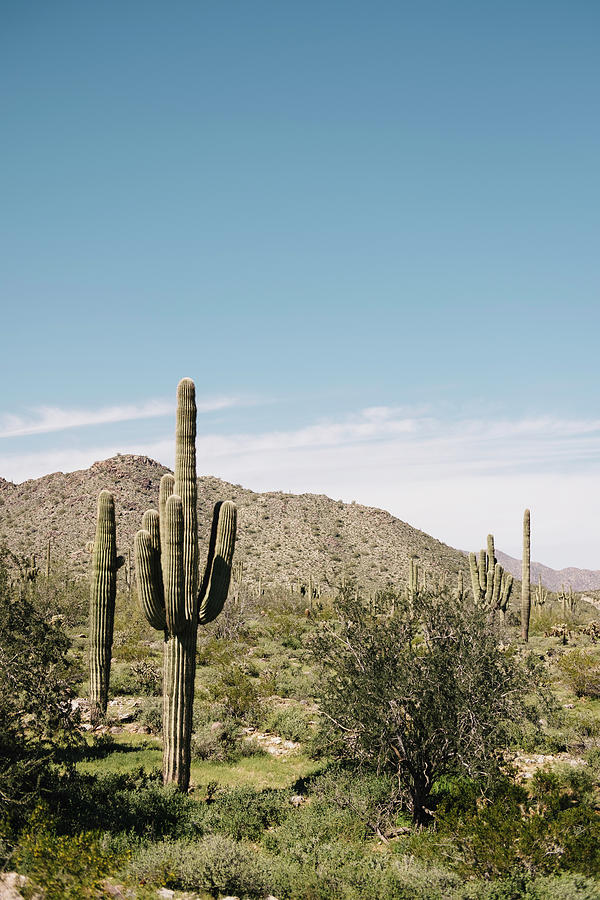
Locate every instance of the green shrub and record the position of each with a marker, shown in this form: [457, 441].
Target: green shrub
[244, 813]
[150, 714]
[290, 722]
[581, 669]
[552, 828]
[215, 864]
[137, 803]
[219, 741]
[237, 693]
[66, 867]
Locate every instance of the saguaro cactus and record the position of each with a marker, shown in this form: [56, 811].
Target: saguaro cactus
[105, 563]
[526, 577]
[491, 585]
[166, 561]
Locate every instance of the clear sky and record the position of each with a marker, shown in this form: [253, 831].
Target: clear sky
[369, 231]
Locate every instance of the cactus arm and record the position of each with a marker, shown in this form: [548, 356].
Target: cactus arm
[483, 571]
[217, 574]
[497, 585]
[149, 579]
[173, 575]
[167, 485]
[474, 577]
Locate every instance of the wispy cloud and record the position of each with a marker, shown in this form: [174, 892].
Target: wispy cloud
[456, 479]
[46, 419]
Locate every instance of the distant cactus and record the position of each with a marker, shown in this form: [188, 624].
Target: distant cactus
[166, 560]
[568, 600]
[526, 577]
[491, 585]
[540, 594]
[413, 577]
[105, 563]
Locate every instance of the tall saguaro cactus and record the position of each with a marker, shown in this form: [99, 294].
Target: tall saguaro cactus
[526, 577]
[491, 585]
[105, 564]
[166, 561]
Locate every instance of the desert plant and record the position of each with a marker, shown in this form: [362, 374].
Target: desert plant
[491, 585]
[428, 693]
[568, 600]
[581, 668]
[105, 563]
[166, 559]
[526, 577]
[540, 594]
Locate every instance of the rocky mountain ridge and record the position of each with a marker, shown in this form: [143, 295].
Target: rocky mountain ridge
[282, 538]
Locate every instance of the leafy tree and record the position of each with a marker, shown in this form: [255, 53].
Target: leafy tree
[36, 720]
[424, 692]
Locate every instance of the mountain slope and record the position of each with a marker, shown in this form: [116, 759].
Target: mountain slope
[281, 537]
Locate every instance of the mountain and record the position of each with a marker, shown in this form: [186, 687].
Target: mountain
[553, 579]
[281, 537]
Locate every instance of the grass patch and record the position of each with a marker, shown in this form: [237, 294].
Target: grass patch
[127, 753]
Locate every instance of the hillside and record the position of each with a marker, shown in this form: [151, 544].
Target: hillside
[281, 537]
[553, 579]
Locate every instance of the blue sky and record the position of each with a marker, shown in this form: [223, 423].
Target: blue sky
[369, 232]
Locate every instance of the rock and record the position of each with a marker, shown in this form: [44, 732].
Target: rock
[165, 893]
[11, 885]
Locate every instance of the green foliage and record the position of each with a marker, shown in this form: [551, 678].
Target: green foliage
[581, 668]
[293, 723]
[552, 828]
[65, 867]
[244, 813]
[216, 864]
[427, 692]
[237, 693]
[138, 803]
[151, 714]
[36, 720]
[219, 740]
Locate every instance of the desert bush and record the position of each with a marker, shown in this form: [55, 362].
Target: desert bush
[215, 864]
[150, 714]
[65, 867]
[293, 723]
[581, 669]
[137, 803]
[221, 741]
[523, 887]
[245, 813]
[36, 719]
[237, 693]
[428, 692]
[551, 828]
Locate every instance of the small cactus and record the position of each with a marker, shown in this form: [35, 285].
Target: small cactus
[166, 562]
[105, 564]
